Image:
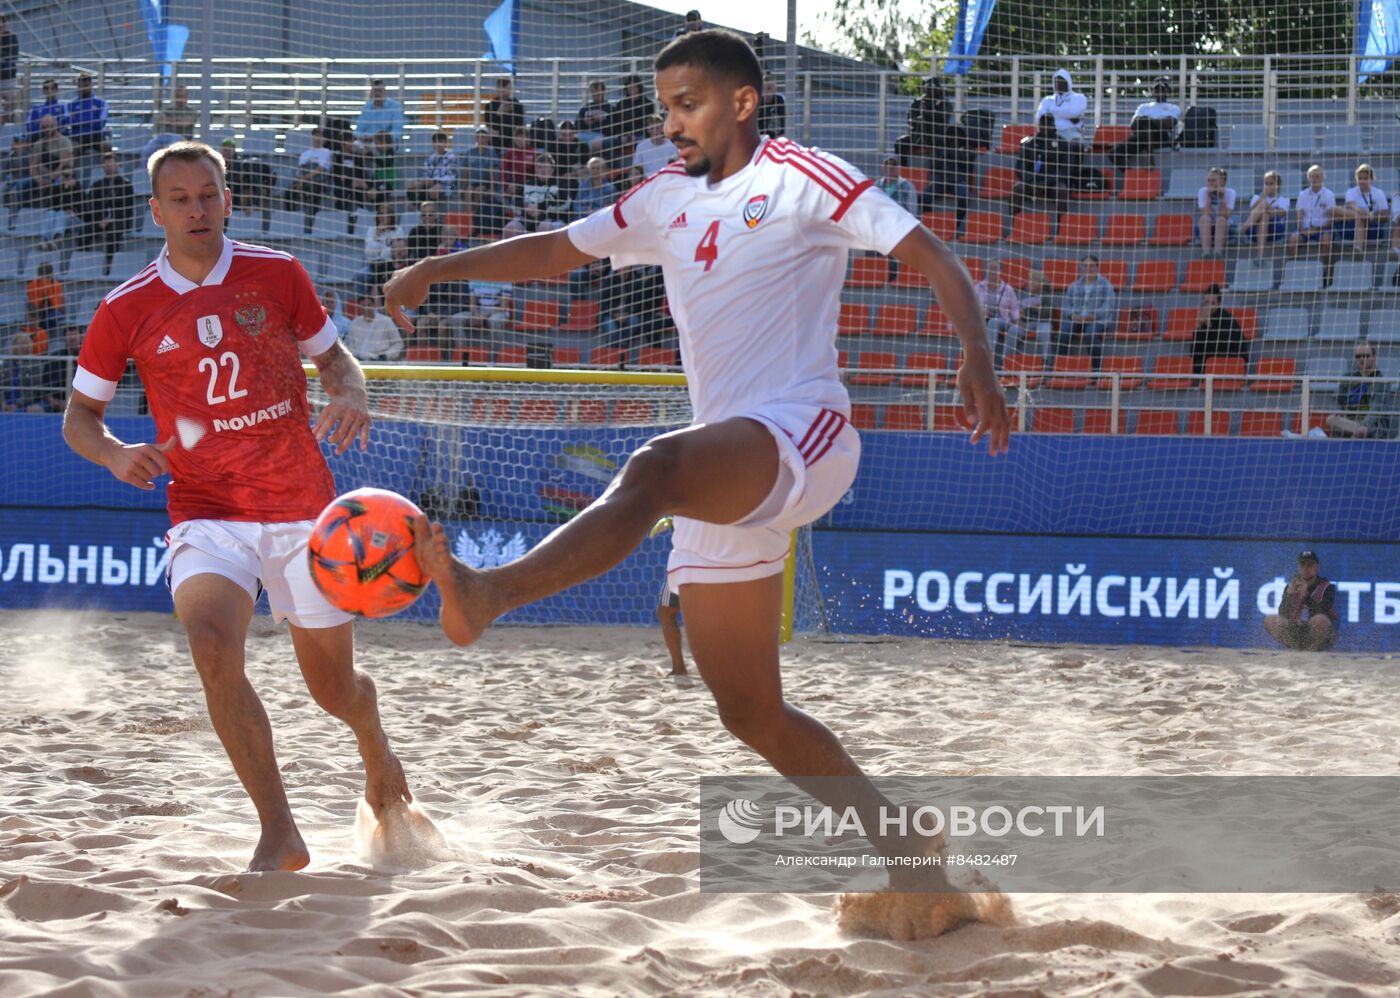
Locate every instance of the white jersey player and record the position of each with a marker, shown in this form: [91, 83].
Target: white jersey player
[752, 237]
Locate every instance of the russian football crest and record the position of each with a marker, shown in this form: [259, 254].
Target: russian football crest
[250, 318]
[755, 210]
[210, 330]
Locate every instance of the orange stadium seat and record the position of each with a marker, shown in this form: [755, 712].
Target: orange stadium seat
[634, 411]
[905, 417]
[608, 357]
[657, 357]
[1219, 424]
[916, 175]
[583, 316]
[917, 364]
[474, 356]
[1110, 135]
[1129, 367]
[1071, 371]
[869, 272]
[1172, 230]
[1017, 364]
[1016, 271]
[423, 355]
[1158, 422]
[935, 321]
[538, 315]
[514, 353]
[880, 360]
[591, 411]
[1054, 419]
[864, 416]
[1261, 424]
[459, 220]
[1141, 185]
[983, 228]
[1137, 322]
[997, 182]
[1060, 272]
[1077, 229]
[566, 356]
[950, 417]
[1116, 271]
[538, 411]
[852, 319]
[895, 319]
[1248, 318]
[1030, 228]
[1201, 274]
[974, 267]
[1125, 230]
[908, 277]
[492, 410]
[943, 224]
[1101, 420]
[1011, 136]
[1155, 275]
[1283, 367]
[1228, 371]
[1181, 323]
[1172, 365]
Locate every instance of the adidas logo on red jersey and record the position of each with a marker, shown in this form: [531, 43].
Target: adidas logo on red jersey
[678, 222]
[166, 345]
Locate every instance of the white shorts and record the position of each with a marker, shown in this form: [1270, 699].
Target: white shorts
[256, 556]
[819, 452]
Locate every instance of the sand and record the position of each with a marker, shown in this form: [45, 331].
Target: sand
[561, 769]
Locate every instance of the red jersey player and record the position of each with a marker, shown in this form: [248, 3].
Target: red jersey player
[752, 236]
[217, 330]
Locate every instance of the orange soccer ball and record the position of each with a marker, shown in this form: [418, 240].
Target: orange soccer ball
[361, 553]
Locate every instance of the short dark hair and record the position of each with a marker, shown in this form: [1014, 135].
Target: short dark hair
[1214, 291]
[1087, 257]
[185, 152]
[440, 135]
[716, 51]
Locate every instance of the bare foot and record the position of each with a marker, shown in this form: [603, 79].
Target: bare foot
[279, 851]
[679, 670]
[385, 783]
[462, 617]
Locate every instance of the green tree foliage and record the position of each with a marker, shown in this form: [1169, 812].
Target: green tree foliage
[891, 34]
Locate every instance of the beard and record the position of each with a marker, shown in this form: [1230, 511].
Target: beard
[700, 167]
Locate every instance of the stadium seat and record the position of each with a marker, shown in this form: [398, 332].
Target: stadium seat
[1172, 230]
[935, 322]
[983, 228]
[1171, 365]
[1249, 138]
[474, 356]
[1287, 324]
[1125, 230]
[1030, 228]
[853, 319]
[513, 354]
[1137, 322]
[1107, 136]
[880, 360]
[1077, 229]
[538, 411]
[1104, 192]
[943, 224]
[1253, 275]
[1100, 421]
[566, 356]
[1353, 275]
[869, 272]
[459, 220]
[1071, 372]
[1053, 419]
[657, 357]
[1259, 423]
[1141, 185]
[951, 417]
[1339, 324]
[1296, 138]
[917, 364]
[1201, 274]
[1016, 364]
[423, 355]
[865, 416]
[1383, 325]
[1155, 275]
[916, 175]
[491, 410]
[1274, 367]
[974, 267]
[1181, 323]
[1060, 272]
[905, 417]
[538, 316]
[1228, 372]
[895, 320]
[1301, 275]
[608, 357]
[908, 277]
[1184, 184]
[583, 316]
[634, 411]
[997, 182]
[1129, 369]
[1016, 271]
[1248, 318]
[1219, 424]
[1011, 136]
[590, 411]
[1116, 271]
[1157, 422]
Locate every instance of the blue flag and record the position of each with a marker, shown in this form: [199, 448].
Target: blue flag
[973, 17]
[167, 40]
[1377, 34]
[503, 32]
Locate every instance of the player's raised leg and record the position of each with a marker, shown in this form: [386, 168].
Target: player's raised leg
[326, 657]
[215, 612]
[716, 472]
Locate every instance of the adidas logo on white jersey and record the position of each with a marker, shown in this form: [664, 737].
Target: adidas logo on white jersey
[678, 222]
[166, 345]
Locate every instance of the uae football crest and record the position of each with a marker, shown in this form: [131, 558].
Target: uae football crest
[755, 210]
[210, 330]
[250, 318]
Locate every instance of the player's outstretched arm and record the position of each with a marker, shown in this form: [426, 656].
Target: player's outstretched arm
[977, 380]
[86, 432]
[522, 258]
[347, 417]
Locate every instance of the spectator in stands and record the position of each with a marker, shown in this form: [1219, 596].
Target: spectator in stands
[1217, 333]
[87, 119]
[429, 237]
[349, 184]
[173, 122]
[543, 207]
[632, 177]
[481, 166]
[53, 182]
[437, 177]
[18, 186]
[1067, 107]
[1307, 614]
[45, 294]
[20, 390]
[1036, 310]
[900, 190]
[628, 120]
[250, 180]
[106, 212]
[1366, 211]
[654, 151]
[504, 114]
[1044, 171]
[308, 187]
[517, 165]
[772, 109]
[381, 235]
[384, 166]
[693, 22]
[1368, 405]
[381, 113]
[1216, 203]
[630, 309]
[1154, 125]
[1317, 209]
[595, 190]
[929, 118]
[1002, 311]
[330, 301]
[488, 212]
[570, 157]
[50, 107]
[9, 70]
[592, 117]
[1089, 306]
[1268, 214]
[490, 309]
[372, 335]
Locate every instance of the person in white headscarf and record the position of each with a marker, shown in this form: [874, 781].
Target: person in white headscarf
[1067, 106]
